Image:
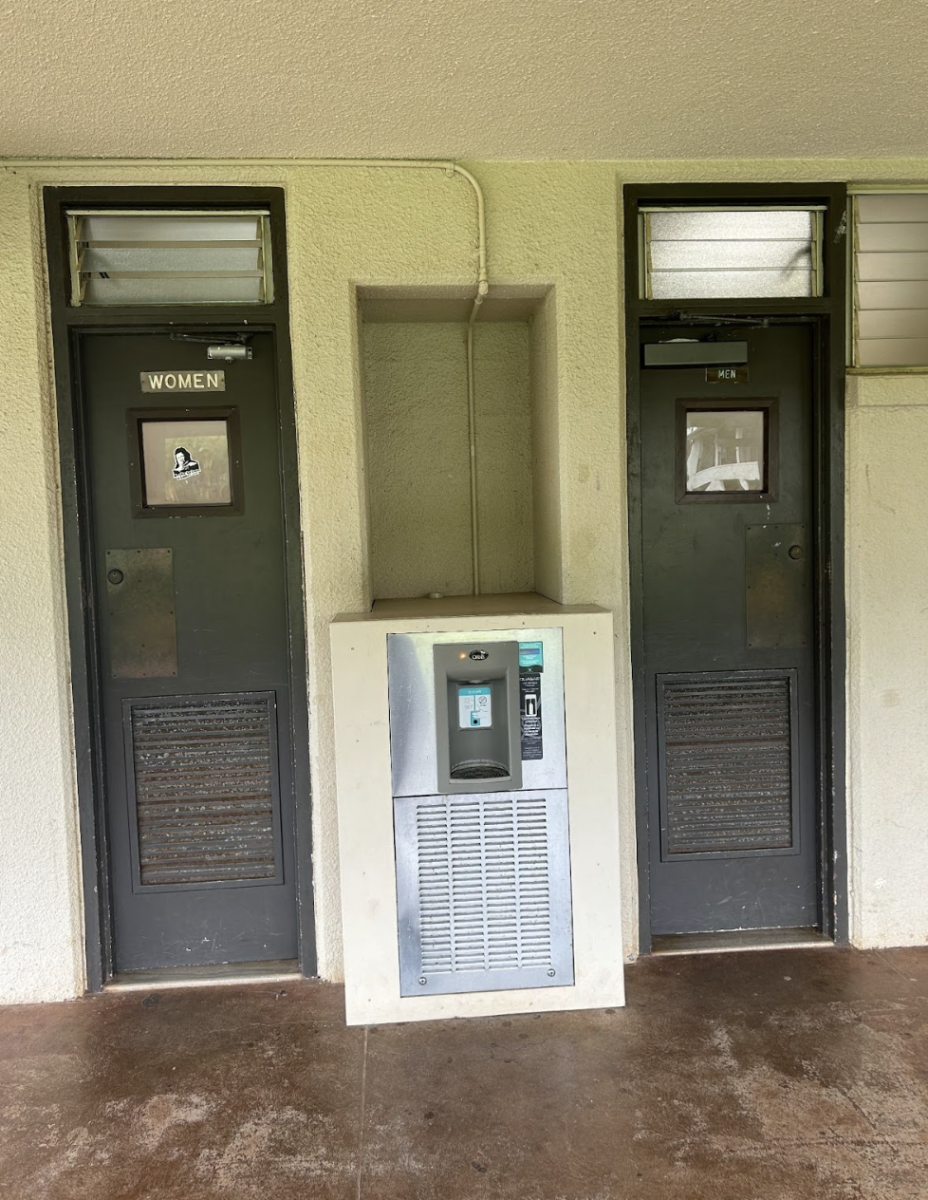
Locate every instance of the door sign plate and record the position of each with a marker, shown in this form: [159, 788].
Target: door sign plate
[727, 374]
[183, 381]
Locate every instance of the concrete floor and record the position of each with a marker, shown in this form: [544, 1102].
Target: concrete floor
[782, 1075]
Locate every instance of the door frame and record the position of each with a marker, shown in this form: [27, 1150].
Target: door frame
[67, 327]
[828, 317]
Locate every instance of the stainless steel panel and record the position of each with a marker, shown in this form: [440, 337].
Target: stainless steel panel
[483, 892]
[142, 625]
[778, 586]
[413, 717]
[468, 759]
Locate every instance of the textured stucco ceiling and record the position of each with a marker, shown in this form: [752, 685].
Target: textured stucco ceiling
[516, 79]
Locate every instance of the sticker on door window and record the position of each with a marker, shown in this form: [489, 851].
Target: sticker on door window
[185, 464]
[188, 461]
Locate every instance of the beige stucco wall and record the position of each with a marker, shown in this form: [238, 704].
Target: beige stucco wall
[41, 933]
[418, 455]
[551, 224]
[887, 498]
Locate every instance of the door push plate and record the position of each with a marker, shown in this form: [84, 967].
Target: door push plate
[777, 586]
[142, 624]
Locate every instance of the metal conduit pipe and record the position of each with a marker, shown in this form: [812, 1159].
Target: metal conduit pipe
[472, 434]
[448, 166]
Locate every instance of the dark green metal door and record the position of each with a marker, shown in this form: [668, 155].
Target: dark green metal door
[191, 612]
[728, 561]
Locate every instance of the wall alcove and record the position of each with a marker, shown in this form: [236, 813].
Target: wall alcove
[413, 361]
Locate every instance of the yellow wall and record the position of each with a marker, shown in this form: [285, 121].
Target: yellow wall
[550, 224]
[887, 559]
[41, 935]
[418, 456]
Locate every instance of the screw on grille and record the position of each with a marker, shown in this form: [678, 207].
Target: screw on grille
[423, 981]
[552, 972]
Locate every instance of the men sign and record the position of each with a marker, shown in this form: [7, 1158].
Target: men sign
[183, 381]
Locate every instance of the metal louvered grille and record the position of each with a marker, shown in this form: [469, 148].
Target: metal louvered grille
[204, 776]
[727, 764]
[891, 280]
[484, 892]
[479, 770]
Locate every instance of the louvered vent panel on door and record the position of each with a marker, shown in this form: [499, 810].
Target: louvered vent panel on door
[202, 771]
[728, 764]
[483, 887]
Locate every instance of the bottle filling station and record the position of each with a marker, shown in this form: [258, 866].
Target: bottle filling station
[475, 740]
[478, 813]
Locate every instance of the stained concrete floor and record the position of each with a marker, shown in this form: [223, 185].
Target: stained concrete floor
[782, 1075]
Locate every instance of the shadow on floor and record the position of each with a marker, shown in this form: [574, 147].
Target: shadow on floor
[783, 1075]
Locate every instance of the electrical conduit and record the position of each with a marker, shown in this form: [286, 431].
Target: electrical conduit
[448, 166]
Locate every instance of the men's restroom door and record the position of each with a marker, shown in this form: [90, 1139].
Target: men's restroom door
[190, 584]
[728, 557]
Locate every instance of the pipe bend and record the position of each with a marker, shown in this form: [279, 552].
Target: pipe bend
[483, 282]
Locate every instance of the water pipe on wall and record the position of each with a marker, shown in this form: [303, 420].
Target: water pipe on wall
[448, 166]
[472, 437]
[482, 289]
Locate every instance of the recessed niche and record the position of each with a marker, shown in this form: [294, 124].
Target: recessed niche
[418, 443]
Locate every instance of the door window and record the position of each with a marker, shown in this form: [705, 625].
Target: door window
[726, 451]
[185, 461]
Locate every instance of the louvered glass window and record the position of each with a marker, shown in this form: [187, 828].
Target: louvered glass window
[170, 257]
[723, 254]
[891, 280]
